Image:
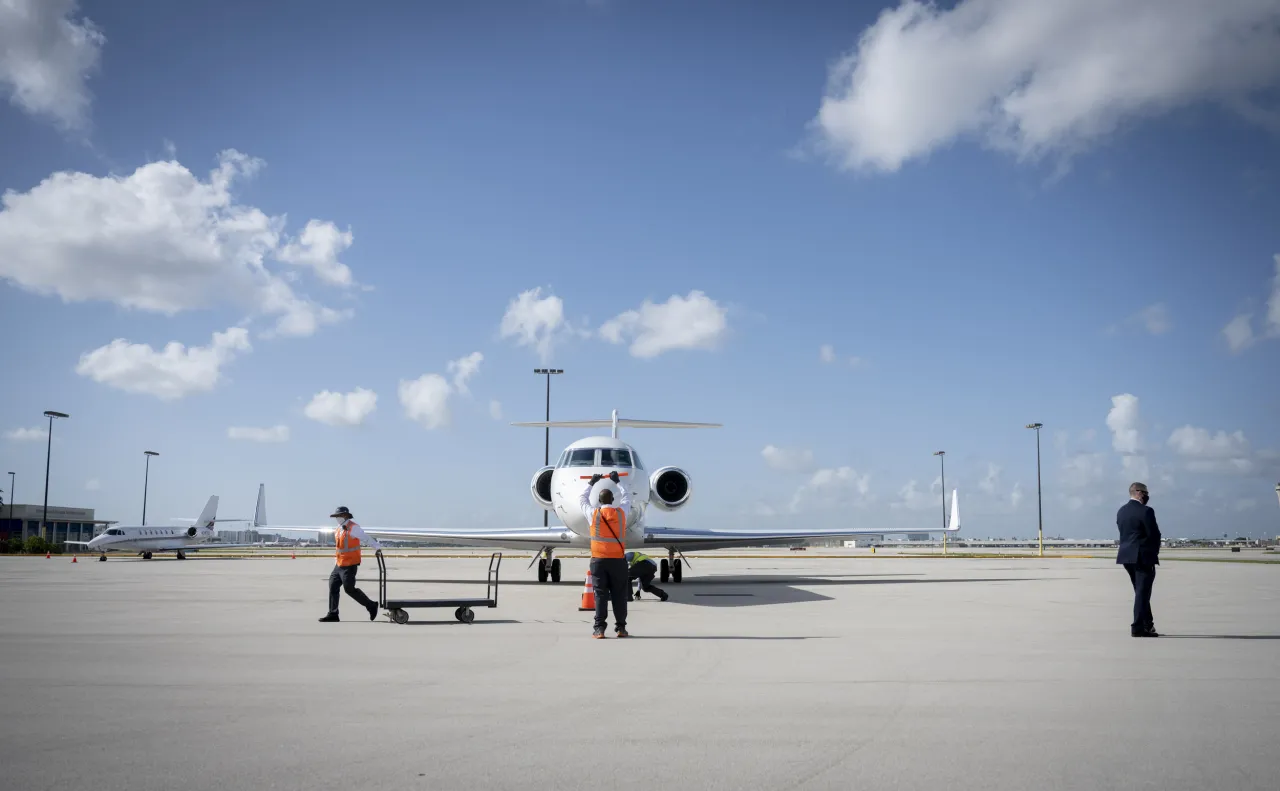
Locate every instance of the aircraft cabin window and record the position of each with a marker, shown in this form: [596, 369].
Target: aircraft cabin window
[582, 457]
[615, 457]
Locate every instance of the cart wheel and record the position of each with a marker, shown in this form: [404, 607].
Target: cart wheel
[458, 613]
[467, 615]
[400, 616]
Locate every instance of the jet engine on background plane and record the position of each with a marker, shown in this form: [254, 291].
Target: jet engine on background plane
[671, 488]
[540, 487]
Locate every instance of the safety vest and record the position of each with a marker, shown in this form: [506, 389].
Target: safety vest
[608, 527]
[639, 557]
[347, 545]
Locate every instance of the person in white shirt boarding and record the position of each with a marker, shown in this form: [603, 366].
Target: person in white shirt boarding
[609, 572]
[348, 539]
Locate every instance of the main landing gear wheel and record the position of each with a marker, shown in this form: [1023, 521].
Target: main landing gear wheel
[677, 570]
[664, 570]
[555, 570]
[464, 614]
[400, 616]
[542, 570]
[146, 556]
[102, 558]
[182, 556]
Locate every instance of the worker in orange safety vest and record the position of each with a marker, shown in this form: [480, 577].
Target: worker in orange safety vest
[610, 575]
[348, 538]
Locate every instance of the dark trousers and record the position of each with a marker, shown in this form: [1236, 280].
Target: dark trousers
[645, 572]
[612, 582]
[343, 578]
[1143, 578]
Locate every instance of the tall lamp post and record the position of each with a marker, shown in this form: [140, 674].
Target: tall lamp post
[146, 479]
[942, 457]
[1039, 499]
[48, 450]
[546, 452]
[12, 495]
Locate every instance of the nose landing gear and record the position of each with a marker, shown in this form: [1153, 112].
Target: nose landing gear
[671, 569]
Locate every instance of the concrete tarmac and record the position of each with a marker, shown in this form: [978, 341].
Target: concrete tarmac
[761, 672]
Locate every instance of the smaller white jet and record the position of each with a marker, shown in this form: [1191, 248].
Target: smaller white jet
[147, 539]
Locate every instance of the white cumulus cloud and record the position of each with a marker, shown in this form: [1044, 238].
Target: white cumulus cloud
[1123, 422]
[495, 409]
[463, 369]
[318, 247]
[534, 320]
[694, 321]
[1205, 451]
[47, 52]
[1037, 77]
[252, 434]
[27, 434]
[832, 487]
[159, 240]
[426, 400]
[827, 353]
[788, 460]
[171, 373]
[1239, 332]
[342, 409]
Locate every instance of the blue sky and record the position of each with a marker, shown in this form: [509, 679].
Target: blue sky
[996, 238]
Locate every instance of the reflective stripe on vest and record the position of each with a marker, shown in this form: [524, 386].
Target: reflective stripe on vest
[347, 546]
[608, 526]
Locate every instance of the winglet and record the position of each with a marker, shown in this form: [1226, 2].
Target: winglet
[260, 512]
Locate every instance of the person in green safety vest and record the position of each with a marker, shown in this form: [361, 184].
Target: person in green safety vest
[643, 568]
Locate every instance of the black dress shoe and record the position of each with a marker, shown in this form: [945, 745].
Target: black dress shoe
[373, 611]
[330, 618]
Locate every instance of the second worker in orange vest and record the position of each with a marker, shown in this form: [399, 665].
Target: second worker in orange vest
[610, 575]
[348, 539]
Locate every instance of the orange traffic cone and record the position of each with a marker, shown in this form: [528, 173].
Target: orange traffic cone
[47, 556]
[293, 555]
[588, 594]
[73, 558]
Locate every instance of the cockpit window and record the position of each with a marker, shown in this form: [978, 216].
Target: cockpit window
[635, 459]
[582, 457]
[615, 457]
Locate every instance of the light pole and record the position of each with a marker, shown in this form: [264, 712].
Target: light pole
[145, 479]
[546, 452]
[1039, 499]
[12, 495]
[942, 457]
[48, 450]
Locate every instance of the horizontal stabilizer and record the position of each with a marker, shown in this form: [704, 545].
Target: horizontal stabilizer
[622, 422]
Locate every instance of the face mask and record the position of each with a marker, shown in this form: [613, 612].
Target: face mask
[339, 520]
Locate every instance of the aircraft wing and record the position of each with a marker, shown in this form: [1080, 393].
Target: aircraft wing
[518, 538]
[686, 538]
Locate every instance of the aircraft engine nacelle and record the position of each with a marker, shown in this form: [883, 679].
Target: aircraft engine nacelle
[191, 532]
[670, 487]
[540, 488]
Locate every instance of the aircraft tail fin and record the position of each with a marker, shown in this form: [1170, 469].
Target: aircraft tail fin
[260, 512]
[209, 515]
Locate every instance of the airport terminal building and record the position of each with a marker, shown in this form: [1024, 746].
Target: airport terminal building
[67, 524]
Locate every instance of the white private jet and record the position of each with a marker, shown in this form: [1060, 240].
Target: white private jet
[557, 488]
[147, 539]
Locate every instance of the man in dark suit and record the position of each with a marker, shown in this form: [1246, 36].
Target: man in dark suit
[1139, 554]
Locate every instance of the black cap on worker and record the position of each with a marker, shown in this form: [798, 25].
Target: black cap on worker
[341, 511]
